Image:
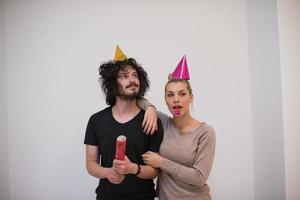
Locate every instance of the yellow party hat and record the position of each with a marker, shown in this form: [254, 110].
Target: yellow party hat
[119, 55]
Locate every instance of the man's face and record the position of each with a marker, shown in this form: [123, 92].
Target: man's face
[128, 83]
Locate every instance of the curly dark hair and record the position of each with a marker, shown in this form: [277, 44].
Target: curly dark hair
[108, 78]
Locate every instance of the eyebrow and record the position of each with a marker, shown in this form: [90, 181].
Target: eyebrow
[175, 91]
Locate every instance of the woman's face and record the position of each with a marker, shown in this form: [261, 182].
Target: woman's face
[178, 98]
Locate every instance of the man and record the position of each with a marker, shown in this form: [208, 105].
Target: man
[123, 81]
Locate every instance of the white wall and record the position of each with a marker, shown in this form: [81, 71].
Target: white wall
[4, 154]
[269, 180]
[51, 74]
[53, 50]
[289, 31]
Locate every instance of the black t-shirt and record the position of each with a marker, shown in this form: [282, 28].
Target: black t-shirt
[102, 131]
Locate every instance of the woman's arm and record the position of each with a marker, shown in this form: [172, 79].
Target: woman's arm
[151, 114]
[150, 119]
[197, 174]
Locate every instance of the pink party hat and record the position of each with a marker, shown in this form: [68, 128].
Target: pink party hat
[181, 71]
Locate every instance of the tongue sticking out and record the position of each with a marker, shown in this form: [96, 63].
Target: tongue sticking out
[177, 111]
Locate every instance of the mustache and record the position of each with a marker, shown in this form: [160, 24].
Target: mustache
[132, 84]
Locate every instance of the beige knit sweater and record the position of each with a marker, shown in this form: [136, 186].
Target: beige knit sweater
[188, 162]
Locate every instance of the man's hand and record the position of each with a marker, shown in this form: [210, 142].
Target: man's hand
[112, 176]
[150, 121]
[124, 167]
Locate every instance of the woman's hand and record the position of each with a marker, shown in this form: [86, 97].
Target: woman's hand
[153, 159]
[150, 121]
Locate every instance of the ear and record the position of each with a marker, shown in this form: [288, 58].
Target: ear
[191, 98]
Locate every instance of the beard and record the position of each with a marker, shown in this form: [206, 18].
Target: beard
[125, 95]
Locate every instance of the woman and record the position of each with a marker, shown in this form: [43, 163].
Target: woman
[187, 151]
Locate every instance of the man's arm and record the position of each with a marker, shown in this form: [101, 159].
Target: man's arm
[94, 169]
[148, 172]
[127, 167]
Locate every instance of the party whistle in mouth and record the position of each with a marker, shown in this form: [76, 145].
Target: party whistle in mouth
[177, 111]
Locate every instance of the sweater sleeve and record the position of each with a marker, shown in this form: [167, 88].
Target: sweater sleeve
[143, 103]
[165, 119]
[197, 174]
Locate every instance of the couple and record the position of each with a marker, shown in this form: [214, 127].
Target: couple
[179, 150]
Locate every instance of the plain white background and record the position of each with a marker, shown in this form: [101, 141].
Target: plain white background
[289, 31]
[243, 73]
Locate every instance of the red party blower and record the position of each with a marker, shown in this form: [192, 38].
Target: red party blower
[120, 147]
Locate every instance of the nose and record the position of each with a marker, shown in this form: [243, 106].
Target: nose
[131, 79]
[176, 99]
